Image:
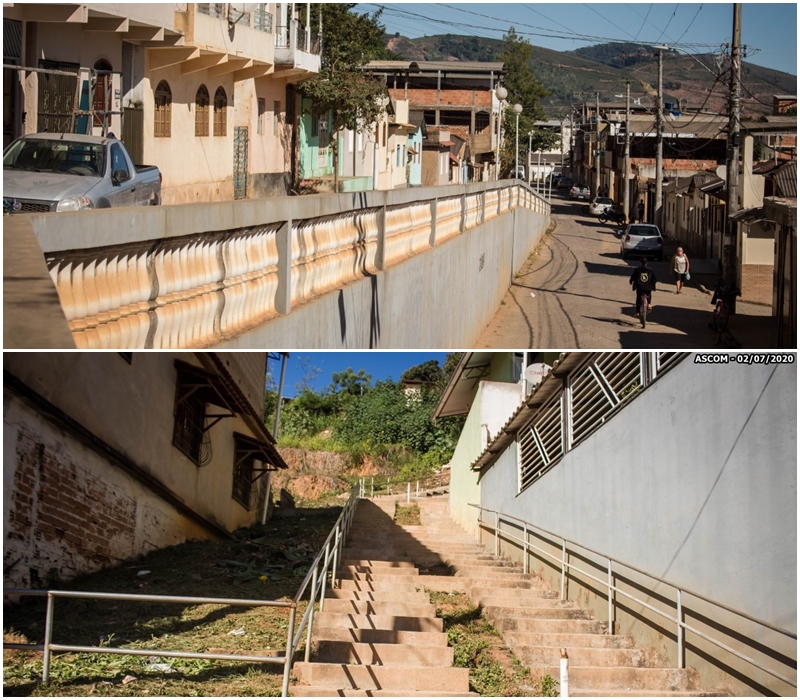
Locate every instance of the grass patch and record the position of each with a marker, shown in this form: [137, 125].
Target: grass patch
[494, 671]
[262, 563]
[406, 515]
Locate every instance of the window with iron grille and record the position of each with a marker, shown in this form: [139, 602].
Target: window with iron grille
[162, 127]
[541, 442]
[201, 102]
[189, 426]
[216, 9]
[220, 112]
[592, 394]
[276, 108]
[262, 110]
[243, 470]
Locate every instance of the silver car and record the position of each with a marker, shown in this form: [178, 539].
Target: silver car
[642, 240]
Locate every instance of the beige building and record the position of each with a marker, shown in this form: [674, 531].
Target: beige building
[107, 456]
[204, 91]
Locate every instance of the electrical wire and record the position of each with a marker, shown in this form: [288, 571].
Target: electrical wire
[649, 9]
[690, 24]
[664, 30]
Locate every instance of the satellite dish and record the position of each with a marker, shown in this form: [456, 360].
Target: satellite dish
[242, 7]
[722, 172]
[536, 372]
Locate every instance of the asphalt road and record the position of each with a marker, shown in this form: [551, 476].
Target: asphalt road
[573, 293]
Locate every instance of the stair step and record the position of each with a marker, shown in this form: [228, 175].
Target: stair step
[383, 654]
[376, 636]
[369, 607]
[527, 612]
[379, 585]
[377, 563]
[380, 622]
[312, 691]
[631, 678]
[568, 639]
[536, 591]
[535, 656]
[378, 570]
[387, 596]
[522, 624]
[382, 677]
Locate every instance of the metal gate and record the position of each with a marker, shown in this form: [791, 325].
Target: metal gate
[240, 146]
[56, 101]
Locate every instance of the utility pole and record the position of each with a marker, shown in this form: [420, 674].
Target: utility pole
[659, 140]
[597, 142]
[729, 265]
[626, 202]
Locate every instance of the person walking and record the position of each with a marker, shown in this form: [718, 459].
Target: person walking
[641, 211]
[680, 269]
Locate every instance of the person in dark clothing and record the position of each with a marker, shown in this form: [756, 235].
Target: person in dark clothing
[641, 211]
[643, 280]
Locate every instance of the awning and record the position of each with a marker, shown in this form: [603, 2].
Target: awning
[196, 381]
[454, 160]
[247, 446]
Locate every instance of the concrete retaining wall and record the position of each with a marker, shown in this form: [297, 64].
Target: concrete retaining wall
[328, 271]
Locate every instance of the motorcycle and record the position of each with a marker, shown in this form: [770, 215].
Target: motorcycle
[614, 217]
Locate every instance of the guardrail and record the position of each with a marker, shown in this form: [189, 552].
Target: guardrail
[386, 486]
[567, 546]
[199, 275]
[324, 564]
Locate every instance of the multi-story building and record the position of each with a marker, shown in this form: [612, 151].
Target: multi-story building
[204, 91]
[107, 456]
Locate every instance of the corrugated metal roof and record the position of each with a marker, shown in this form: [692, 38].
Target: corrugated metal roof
[444, 66]
[786, 180]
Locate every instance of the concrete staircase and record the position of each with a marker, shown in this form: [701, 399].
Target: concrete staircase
[536, 624]
[379, 636]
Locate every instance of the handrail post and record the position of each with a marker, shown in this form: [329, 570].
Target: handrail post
[287, 664]
[563, 680]
[563, 567]
[311, 600]
[335, 559]
[680, 629]
[496, 534]
[610, 601]
[48, 637]
[325, 576]
[525, 552]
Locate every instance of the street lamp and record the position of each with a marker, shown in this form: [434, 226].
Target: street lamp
[530, 153]
[517, 111]
[501, 93]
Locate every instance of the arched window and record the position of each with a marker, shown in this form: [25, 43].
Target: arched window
[163, 111]
[102, 97]
[201, 102]
[220, 112]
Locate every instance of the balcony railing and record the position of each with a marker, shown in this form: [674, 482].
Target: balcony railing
[262, 19]
[215, 9]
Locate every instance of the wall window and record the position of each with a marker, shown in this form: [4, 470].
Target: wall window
[162, 127]
[201, 109]
[314, 126]
[276, 108]
[262, 110]
[220, 112]
[188, 431]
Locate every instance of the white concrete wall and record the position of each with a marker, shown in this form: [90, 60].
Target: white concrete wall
[493, 405]
[705, 498]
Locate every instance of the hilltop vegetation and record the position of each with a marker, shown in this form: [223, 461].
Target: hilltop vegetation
[574, 76]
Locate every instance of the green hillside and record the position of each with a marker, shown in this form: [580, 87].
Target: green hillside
[574, 76]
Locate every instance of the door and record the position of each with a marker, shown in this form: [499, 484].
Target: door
[56, 96]
[240, 147]
[124, 193]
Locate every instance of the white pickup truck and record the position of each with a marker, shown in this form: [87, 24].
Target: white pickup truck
[73, 172]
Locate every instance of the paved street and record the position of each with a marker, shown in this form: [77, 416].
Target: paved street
[573, 292]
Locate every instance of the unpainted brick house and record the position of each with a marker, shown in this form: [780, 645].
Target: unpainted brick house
[107, 456]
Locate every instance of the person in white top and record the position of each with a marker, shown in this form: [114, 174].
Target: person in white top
[680, 269]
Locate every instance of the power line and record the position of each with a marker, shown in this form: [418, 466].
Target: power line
[643, 23]
[607, 20]
[664, 31]
[690, 23]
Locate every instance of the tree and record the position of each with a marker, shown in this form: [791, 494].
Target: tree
[524, 89]
[310, 373]
[428, 372]
[350, 382]
[341, 91]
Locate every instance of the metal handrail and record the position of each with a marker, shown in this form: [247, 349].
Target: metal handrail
[327, 556]
[682, 626]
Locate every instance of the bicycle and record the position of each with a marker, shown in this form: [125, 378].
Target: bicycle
[643, 307]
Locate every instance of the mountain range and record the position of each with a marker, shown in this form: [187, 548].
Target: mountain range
[575, 76]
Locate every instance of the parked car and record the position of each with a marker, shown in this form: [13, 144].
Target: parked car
[600, 205]
[71, 172]
[518, 173]
[580, 192]
[565, 183]
[642, 240]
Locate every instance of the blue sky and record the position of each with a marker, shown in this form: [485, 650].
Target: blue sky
[768, 29]
[381, 365]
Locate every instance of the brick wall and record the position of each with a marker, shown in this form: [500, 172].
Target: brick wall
[427, 97]
[757, 283]
[69, 511]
